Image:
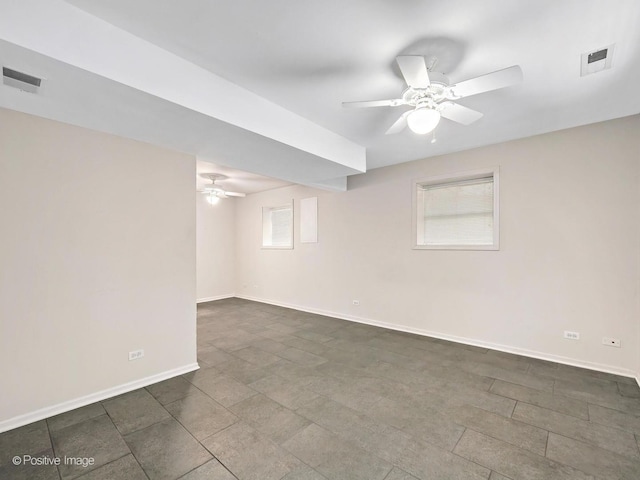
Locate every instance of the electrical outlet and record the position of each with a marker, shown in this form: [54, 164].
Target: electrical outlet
[356, 302]
[572, 335]
[136, 354]
[611, 342]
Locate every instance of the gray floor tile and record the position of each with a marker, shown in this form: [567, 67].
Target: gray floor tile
[583, 372]
[134, 410]
[507, 360]
[171, 390]
[269, 417]
[361, 355]
[221, 387]
[629, 390]
[421, 459]
[277, 336]
[315, 348]
[302, 357]
[249, 455]
[27, 471]
[355, 401]
[269, 345]
[282, 328]
[313, 336]
[399, 474]
[558, 403]
[423, 423]
[305, 474]
[589, 385]
[166, 450]
[356, 427]
[124, 468]
[28, 440]
[256, 356]
[519, 378]
[212, 470]
[512, 461]
[497, 476]
[335, 458]
[598, 392]
[95, 438]
[234, 340]
[460, 395]
[553, 370]
[596, 461]
[201, 415]
[436, 372]
[516, 433]
[614, 418]
[344, 392]
[75, 416]
[612, 439]
[244, 371]
[284, 392]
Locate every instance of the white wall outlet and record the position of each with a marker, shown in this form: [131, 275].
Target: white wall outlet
[611, 342]
[356, 302]
[136, 354]
[572, 335]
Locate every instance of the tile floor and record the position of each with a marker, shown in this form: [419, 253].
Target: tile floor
[289, 395]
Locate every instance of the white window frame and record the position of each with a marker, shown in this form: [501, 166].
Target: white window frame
[268, 210]
[452, 178]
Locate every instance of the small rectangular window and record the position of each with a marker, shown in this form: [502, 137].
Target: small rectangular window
[457, 212]
[277, 226]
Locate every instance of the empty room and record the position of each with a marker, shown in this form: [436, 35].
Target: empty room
[320, 240]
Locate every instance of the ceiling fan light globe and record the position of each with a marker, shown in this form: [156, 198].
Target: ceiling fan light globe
[213, 199]
[423, 120]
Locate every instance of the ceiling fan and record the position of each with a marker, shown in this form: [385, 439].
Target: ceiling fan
[215, 192]
[432, 96]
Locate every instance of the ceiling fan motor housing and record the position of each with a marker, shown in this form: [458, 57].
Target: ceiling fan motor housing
[428, 97]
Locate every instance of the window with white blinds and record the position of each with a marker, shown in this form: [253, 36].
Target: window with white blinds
[277, 226]
[457, 212]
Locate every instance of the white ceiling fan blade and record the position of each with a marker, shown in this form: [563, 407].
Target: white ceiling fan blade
[490, 81]
[374, 103]
[414, 70]
[235, 194]
[459, 113]
[399, 125]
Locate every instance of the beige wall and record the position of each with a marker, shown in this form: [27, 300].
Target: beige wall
[97, 257]
[216, 246]
[569, 256]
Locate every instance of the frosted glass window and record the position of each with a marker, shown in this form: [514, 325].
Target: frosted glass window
[457, 213]
[277, 226]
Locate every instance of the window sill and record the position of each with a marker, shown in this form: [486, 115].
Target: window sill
[457, 247]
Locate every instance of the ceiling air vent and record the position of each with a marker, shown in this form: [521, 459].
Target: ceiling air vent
[596, 61]
[20, 80]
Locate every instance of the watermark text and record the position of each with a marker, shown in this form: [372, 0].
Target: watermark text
[45, 460]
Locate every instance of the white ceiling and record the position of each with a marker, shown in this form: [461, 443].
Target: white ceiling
[309, 56]
[237, 180]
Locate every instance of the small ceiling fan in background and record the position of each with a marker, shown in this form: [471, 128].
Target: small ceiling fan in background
[215, 192]
[432, 96]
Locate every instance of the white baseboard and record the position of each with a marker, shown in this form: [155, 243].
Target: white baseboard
[69, 405]
[467, 341]
[217, 297]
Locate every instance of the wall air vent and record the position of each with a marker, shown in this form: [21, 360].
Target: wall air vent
[23, 81]
[596, 60]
